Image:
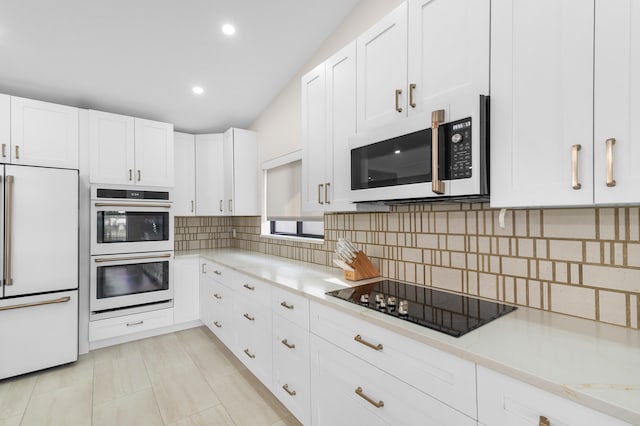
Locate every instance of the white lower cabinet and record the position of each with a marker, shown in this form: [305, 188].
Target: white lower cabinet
[253, 337]
[186, 289]
[129, 324]
[216, 301]
[446, 377]
[506, 401]
[291, 382]
[38, 332]
[348, 390]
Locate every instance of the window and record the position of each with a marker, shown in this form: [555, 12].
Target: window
[282, 195]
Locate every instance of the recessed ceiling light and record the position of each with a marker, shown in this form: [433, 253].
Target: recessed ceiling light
[397, 151]
[198, 90]
[228, 29]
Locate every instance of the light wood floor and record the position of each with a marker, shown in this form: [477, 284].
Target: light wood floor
[184, 378]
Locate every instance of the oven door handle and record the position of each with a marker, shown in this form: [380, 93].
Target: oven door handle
[117, 259]
[160, 206]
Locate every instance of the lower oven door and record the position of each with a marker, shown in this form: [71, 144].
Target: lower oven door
[127, 280]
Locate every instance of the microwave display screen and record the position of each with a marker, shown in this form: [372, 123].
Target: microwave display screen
[123, 280]
[132, 227]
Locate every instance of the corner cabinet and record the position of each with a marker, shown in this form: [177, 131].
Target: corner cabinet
[209, 175]
[130, 151]
[42, 134]
[184, 155]
[564, 110]
[240, 153]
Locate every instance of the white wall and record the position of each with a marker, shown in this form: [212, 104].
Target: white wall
[278, 126]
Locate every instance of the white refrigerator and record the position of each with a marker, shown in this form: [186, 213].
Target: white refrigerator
[39, 268]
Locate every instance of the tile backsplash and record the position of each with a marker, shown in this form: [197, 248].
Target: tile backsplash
[583, 262]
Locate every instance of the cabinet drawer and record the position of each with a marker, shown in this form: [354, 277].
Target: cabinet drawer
[218, 272]
[293, 307]
[348, 390]
[43, 332]
[450, 379]
[251, 316]
[290, 341]
[506, 401]
[218, 300]
[253, 290]
[291, 384]
[120, 326]
[253, 348]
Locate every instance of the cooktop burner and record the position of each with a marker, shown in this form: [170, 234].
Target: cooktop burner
[453, 314]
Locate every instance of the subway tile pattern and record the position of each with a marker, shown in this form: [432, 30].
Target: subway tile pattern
[583, 262]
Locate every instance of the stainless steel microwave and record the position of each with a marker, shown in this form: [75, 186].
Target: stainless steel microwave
[440, 156]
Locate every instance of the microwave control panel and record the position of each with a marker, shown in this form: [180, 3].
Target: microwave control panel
[458, 143]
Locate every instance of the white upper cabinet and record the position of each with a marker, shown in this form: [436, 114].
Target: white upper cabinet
[341, 124]
[5, 127]
[313, 139]
[448, 72]
[154, 153]
[240, 153]
[209, 175]
[617, 102]
[42, 134]
[130, 151]
[542, 102]
[184, 194]
[111, 140]
[382, 71]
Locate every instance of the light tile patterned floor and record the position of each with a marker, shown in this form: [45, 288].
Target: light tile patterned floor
[188, 378]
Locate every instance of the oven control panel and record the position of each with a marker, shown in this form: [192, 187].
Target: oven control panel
[458, 143]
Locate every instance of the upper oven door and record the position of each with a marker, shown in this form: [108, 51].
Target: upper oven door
[130, 226]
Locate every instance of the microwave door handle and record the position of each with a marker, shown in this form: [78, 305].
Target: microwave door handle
[437, 186]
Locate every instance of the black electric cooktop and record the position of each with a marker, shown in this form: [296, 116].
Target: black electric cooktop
[453, 314]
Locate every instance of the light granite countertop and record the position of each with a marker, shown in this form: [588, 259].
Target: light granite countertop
[595, 364]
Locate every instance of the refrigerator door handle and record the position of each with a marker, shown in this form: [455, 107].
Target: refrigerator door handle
[8, 202]
[29, 305]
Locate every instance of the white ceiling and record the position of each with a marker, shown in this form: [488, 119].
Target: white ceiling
[142, 57]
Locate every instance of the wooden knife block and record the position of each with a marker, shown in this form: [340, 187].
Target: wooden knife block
[363, 268]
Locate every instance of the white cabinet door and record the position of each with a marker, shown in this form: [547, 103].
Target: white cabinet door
[448, 72]
[382, 71]
[617, 102]
[245, 173]
[43, 134]
[111, 148]
[184, 194]
[44, 230]
[39, 336]
[541, 102]
[186, 278]
[227, 152]
[341, 124]
[313, 139]
[153, 153]
[505, 401]
[5, 127]
[209, 175]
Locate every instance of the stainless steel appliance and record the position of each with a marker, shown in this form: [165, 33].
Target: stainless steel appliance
[39, 288]
[131, 250]
[443, 156]
[131, 280]
[450, 313]
[130, 220]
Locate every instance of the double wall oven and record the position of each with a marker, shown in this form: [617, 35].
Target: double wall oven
[131, 250]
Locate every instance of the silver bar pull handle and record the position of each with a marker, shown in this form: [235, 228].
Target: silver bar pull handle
[131, 324]
[326, 192]
[230, 205]
[574, 166]
[610, 180]
[249, 287]
[284, 304]
[193, 206]
[221, 209]
[139, 175]
[398, 107]
[360, 340]
[412, 102]
[8, 201]
[155, 206]
[249, 354]
[29, 305]
[437, 186]
[320, 185]
[4, 150]
[130, 174]
[118, 259]
[286, 389]
[17, 152]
